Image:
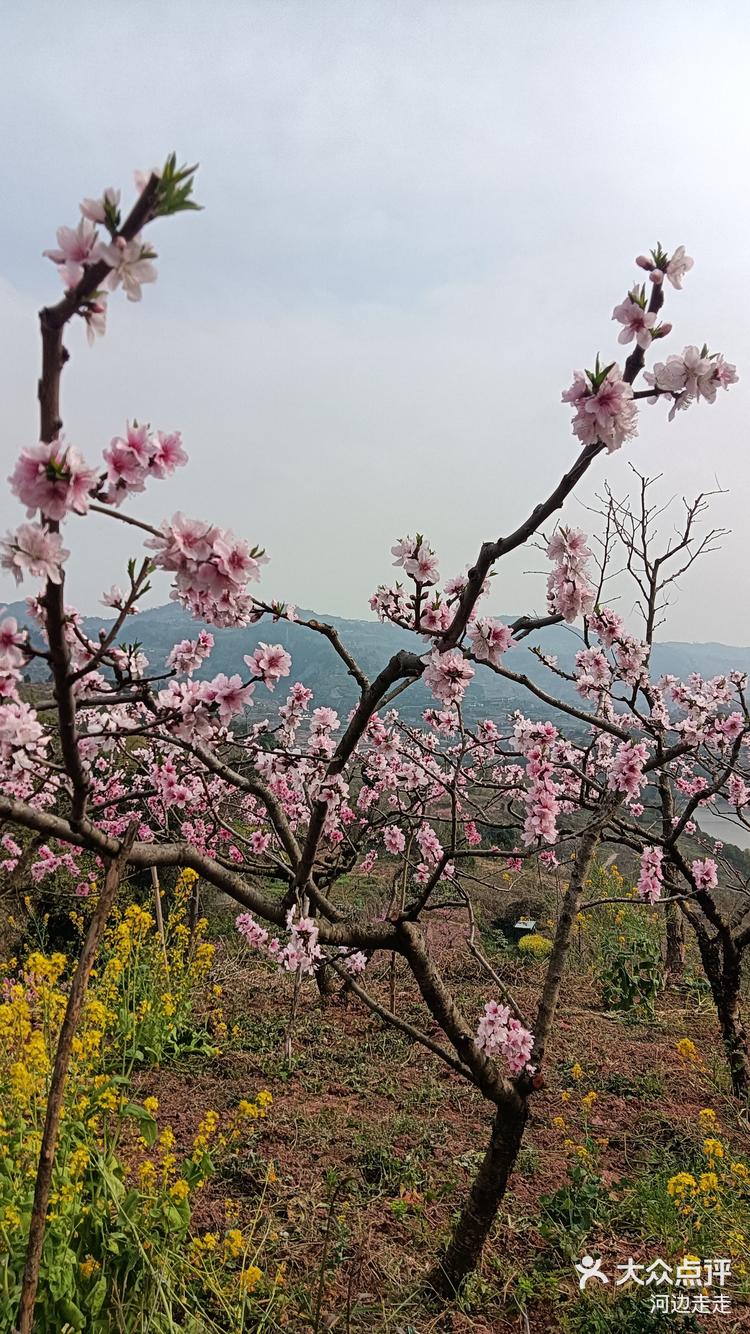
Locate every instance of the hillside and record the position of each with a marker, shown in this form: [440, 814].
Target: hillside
[316, 664]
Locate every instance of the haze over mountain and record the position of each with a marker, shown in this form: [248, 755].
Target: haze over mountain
[315, 663]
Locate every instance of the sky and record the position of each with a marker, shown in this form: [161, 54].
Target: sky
[418, 217]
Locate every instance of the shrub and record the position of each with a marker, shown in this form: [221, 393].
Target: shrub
[535, 946]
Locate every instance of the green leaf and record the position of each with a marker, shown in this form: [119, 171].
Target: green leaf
[148, 1126]
[96, 1300]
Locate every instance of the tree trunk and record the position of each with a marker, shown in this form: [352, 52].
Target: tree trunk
[675, 953]
[722, 964]
[733, 1030]
[480, 1210]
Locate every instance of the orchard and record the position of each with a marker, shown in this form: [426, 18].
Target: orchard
[191, 827]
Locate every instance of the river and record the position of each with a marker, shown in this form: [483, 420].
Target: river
[719, 827]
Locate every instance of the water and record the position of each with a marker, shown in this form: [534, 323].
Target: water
[726, 831]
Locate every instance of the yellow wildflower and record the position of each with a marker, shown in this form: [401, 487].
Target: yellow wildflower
[250, 1278]
[681, 1184]
[687, 1050]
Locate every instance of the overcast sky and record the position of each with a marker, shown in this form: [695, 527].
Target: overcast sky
[418, 218]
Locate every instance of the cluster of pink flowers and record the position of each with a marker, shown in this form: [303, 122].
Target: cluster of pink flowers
[705, 873]
[604, 407]
[53, 478]
[212, 568]
[270, 662]
[447, 675]
[23, 740]
[593, 673]
[692, 376]
[301, 952]
[417, 558]
[499, 1034]
[187, 656]
[490, 639]
[606, 625]
[626, 774]
[569, 592]
[138, 455]
[203, 706]
[33, 550]
[394, 839]
[293, 710]
[539, 743]
[659, 266]
[651, 878]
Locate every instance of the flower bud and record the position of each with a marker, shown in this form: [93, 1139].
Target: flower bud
[644, 262]
[656, 276]
[661, 330]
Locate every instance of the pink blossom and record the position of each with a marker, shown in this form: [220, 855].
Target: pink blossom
[12, 642]
[394, 839]
[678, 266]
[130, 264]
[500, 1034]
[270, 662]
[447, 675]
[626, 774]
[606, 625]
[489, 639]
[188, 655]
[607, 413]
[33, 549]
[569, 593]
[324, 720]
[228, 694]
[53, 478]
[96, 210]
[638, 322]
[651, 877]
[254, 934]
[355, 964]
[705, 873]
[168, 453]
[76, 248]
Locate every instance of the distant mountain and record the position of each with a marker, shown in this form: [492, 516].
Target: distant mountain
[315, 663]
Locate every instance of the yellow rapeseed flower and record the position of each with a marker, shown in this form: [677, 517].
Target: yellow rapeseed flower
[687, 1049]
[250, 1278]
[681, 1184]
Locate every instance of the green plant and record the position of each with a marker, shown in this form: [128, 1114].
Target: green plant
[572, 1212]
[631, 970]
[117, 1238]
